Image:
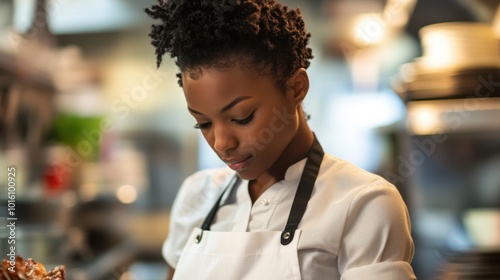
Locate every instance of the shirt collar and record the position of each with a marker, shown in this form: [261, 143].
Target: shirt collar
[294, 171]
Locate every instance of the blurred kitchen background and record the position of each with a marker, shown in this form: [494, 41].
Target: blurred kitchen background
[102, 140]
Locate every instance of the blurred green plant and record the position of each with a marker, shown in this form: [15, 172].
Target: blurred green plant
[69, 129]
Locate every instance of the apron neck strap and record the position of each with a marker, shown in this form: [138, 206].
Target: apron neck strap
[304, 191]
[211, 216]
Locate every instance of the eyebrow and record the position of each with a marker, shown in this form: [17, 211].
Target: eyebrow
[227, 107]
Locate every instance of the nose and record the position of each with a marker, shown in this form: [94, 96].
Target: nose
[224, 140]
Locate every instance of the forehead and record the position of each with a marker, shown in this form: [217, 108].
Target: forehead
[217, 86]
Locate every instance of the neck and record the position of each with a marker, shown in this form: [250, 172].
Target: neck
[297, 149]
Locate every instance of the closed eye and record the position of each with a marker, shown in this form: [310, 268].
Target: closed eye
[203, 125]
[245, 120]
[240, 122]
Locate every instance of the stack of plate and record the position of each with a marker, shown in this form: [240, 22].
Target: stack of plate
[457, 58]
[459, 45]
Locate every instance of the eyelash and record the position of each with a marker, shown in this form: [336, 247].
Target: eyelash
[202, 125]
[240, 122]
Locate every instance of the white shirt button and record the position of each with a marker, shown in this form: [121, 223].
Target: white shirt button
[264, 202]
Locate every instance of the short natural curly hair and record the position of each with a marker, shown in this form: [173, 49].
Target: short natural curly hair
[211, 33]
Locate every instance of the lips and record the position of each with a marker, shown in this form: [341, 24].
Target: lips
[238, 164]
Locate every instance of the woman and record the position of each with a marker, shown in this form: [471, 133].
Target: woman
[283, 209]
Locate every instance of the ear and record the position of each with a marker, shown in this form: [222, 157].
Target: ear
[297, 86]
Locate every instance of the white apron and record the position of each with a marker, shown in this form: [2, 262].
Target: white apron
[250, 255]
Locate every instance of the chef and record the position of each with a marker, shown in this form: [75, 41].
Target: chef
[282, 208]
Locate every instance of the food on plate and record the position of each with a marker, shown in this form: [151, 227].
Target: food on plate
[29, 270]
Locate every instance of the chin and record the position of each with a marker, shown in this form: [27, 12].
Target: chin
[247, 175]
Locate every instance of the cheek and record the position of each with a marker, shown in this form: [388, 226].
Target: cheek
[267, 133]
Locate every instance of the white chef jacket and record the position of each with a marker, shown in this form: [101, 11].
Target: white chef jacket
[356, 225]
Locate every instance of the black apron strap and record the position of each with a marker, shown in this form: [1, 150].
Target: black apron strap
[211, 216]
[304, 191]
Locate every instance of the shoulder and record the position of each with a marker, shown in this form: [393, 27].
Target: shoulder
[352, 193]
[343, 191]
[346, 179]
[200, 190]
